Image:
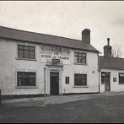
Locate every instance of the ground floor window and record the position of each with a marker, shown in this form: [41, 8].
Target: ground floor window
[121, 78]
[80, 79]
[103, 77]
[26, 78]
[67, 80]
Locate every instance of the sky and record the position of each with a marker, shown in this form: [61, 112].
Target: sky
[68, 18]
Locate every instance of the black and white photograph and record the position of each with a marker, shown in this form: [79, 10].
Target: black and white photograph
[61, 61]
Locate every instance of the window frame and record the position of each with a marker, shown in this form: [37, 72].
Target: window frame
[29, 54]
[67, 80]
[77, 57]
[84, 84]
[25, 86]
[119, 78]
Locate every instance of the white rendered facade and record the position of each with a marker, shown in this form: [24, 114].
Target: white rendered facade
[10, 64]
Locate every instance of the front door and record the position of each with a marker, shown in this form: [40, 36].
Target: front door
[54, 83]
[106, 80]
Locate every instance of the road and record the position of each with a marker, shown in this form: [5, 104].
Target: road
[98, 109]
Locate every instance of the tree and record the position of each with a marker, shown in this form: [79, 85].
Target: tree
[116, 52]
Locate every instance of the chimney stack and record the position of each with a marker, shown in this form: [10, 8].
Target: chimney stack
[108, 41]
[108, 49]
[86, 36]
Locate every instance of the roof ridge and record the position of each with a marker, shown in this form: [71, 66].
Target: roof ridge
[22, 30]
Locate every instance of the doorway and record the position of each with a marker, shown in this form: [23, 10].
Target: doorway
[107, 83]
[54, 83]
[106, 80]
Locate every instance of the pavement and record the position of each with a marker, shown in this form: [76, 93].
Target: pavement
[43, 101]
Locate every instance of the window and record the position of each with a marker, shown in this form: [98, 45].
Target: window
[26, 52]
[80, 57]
[67, 80]
[80, 79]
[26, 78]
[114, 79]
[121, 78]
[103, 77]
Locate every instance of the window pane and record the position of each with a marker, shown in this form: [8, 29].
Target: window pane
[67, 80]
[20, 51]
[26, 51]
[80, 58]
[80, 79]
[121, 78]
[26, 78]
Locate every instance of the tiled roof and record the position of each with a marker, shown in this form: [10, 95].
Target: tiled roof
[111, 63]
[33, 37]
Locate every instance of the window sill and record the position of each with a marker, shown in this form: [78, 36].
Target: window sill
[26, 59]
[80, 87]
[79, 64]
[26, 87]
[121, 84]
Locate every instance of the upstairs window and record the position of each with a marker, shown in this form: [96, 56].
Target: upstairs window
[121, 78]
[26, 52]
[80, 79]
[80, 57]
[26, 78]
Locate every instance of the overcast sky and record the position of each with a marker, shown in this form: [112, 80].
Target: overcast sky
[68, 19]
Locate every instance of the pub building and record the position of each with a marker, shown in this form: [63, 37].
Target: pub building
[41, 64]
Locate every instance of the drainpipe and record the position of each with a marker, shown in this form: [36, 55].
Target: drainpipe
[99, 73]
[99, 80]
[45, 82]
